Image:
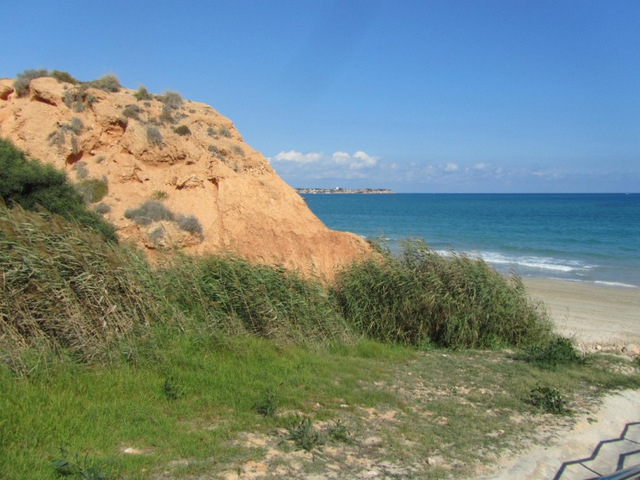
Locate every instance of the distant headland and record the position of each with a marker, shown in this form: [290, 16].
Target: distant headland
[343, 190]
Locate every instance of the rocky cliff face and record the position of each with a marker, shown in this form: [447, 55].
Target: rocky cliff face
[171, 174]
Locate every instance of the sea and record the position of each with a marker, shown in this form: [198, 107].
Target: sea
[591, 238]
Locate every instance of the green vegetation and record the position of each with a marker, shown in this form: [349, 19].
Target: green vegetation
[102, 354]
[32, 185]
[142, 94]
[132, 111]
[154, 137]
[21, 84]
[108, 83]
[172, 100]
[182, 130]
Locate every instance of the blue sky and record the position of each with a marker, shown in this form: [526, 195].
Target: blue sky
[416, 96]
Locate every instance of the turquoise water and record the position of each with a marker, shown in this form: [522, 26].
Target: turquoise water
[582, 237]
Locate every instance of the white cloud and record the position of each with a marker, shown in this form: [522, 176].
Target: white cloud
[480, 166]
[341, 158]
[296, 157]
[450, 167]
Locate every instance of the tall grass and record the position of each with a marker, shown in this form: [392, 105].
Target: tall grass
[422, 297]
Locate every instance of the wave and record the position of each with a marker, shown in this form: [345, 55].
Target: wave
[616, 284]
[529, 262]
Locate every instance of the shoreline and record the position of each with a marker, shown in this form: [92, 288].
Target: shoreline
[595, 316]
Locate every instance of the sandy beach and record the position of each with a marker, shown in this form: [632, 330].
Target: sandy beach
[593, 315]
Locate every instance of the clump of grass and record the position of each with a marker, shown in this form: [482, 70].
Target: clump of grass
[421, 297]
[182, 130]
[171, 390]
[154, 137]
[548, 400]
[64, 77]
[132, 111]
[172, 100]
[78, 467]
[81, 170]
[238, 150]
[93, 189]
[166, 116]
[190, 224]
[338, 432]
[150, 211]
[225, 132]
[23, 79]
[160, 195]
[142, 94]
[267, 405]
[558, 351]
[304, 435]
[102, 208]
[107, 83]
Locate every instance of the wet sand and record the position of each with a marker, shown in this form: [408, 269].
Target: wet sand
[593, 315]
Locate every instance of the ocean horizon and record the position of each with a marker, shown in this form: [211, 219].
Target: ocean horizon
[587, 237]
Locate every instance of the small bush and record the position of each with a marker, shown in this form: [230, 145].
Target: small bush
[166, 116]
[558, 351]
[267, 405]
[100, 159]
[102, 208]
[225, 132]
[304, 435]
[212, 132]
[92, 190]
[107, 83]
[154, 137]
[132, 111]
[172, 100]
[190, 224]
[76, 126]
[150, 211]
[238, 150]
[182, 130]
[548, 400]
[81, 170]
[142, 94]
[159, 194]
[64, 77]
[21, 84]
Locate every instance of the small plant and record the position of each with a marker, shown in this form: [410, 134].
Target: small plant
[77, 466]
[190, 224]
[238, 150]
[225, 132]
[93, 189]
[102, 208]
[559, 351]
[159, 194]
[100, 159]
[338, 432]
[549, 400]
[64, 77]
[81, 170]
[166, 116]
[132, 111]
[172, 100]
[171, 390]
[154, 137]
[215, 151]
[23, 79]
[107, 83]
[303, 435]
[142, 94]
[76, 126]
[150, 211]
[267, 405]
[182, 130]
[212, 132]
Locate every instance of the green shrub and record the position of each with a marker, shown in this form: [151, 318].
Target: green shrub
[182, 130]
[190, 224]
[225, 132]
[548, 400]
[102, 208]
[108, 83]
[76, 126]
[21, 84]
[31, 185]
[64, 77]
[159, 194]
[81, 170]
[132, 111]
[150, 211]
[551, 354]
[172, 100]
[142, 94]
[92, 190]
[421, 297]
[238, 149]
[154, 137]
[166, 116]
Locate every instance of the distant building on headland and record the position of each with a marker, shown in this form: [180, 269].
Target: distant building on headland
[343, 190]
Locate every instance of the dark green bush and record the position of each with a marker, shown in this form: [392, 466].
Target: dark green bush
[558, 351]
[64, 77]
[421, 297]
[21, 84]
[182, 130]
[548, 400]
[225, 132]
[31, 185]
[132, 111]
[93, 189]
[166, 116]
[142, 94]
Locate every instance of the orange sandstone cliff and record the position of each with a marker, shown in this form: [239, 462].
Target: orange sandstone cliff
[224, 195]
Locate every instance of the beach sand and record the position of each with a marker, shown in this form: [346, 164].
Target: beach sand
[592, 315]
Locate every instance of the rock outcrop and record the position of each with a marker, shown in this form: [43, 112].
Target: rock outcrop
[221, 194]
